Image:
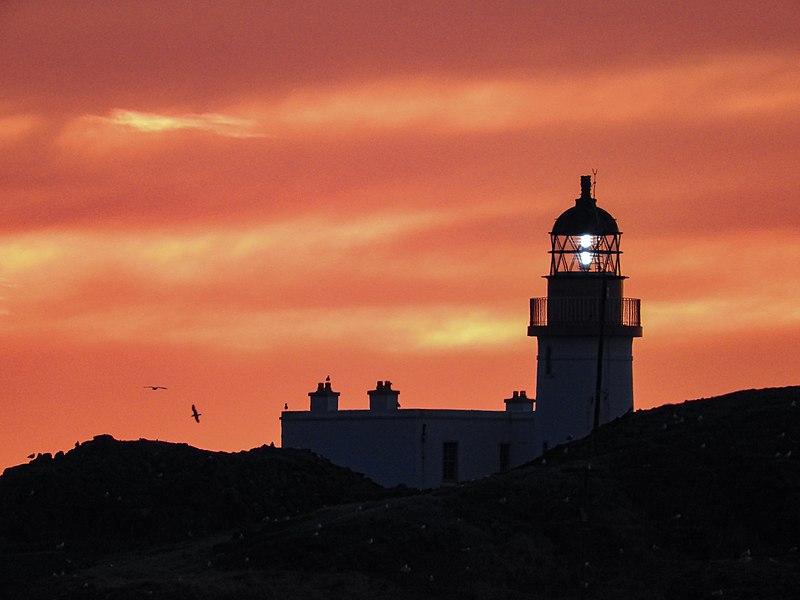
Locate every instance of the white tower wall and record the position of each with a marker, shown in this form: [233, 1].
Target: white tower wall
[566, 378]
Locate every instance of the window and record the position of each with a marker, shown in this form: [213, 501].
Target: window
[505, 457]
[450, 462]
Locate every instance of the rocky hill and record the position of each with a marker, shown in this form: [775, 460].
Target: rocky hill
[695, 500]
[106, 492]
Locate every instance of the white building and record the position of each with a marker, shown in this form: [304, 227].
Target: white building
[420, 448]
[585, 330]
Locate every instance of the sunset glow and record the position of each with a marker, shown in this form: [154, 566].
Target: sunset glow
[236, 200]
[219, 124]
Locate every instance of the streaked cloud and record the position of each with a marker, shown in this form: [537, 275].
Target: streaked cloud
[58, 263]
[26, 253]
[219, 124]
[454, 327]
[721, 314]
[403, 329]
[715, 87]
[17, 126]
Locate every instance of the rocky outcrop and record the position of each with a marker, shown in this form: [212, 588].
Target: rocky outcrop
[106, 492]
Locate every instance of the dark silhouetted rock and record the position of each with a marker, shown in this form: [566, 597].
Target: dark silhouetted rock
[105, 493]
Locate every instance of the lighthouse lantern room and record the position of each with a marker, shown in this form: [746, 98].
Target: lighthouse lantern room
[584, 327]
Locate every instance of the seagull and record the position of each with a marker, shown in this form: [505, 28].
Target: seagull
[195, 414]
[155, 387]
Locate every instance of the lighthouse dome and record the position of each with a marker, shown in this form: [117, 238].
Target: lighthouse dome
[585, 217]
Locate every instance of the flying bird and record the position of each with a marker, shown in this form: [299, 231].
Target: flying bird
[155, 387]
[195, 414]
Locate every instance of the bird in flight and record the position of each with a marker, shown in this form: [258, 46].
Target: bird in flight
[155, 387]
[195, 414]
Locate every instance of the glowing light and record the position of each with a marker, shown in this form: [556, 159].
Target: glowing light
[586, 258]
[586, 241]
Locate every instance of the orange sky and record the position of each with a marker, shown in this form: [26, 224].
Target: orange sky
[236, 199]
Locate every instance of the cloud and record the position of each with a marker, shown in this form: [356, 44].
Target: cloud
[310, 280]
[17, 126]
[4, 283]
[454, 327]
[716, 87]
[137, 55]
[386, 330]
[223, 125]
[720, 314]
[157, 263]
[164, 250]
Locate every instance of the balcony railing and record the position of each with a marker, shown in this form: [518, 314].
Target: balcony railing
[575, 310]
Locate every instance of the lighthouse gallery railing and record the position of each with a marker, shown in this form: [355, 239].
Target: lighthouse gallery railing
[550, 311]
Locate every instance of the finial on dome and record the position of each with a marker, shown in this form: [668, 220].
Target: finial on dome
[586, 187]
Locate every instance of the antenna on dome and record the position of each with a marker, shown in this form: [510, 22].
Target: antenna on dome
[594, 183]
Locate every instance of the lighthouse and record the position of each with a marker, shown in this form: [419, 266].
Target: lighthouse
[584, 327]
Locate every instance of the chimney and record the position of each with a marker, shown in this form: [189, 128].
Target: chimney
[519, 402]
[324, 399]
[383, 398]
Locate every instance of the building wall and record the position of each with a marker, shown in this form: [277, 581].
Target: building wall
[390, 448]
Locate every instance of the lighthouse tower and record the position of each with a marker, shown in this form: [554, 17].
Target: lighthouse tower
[584, 327]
